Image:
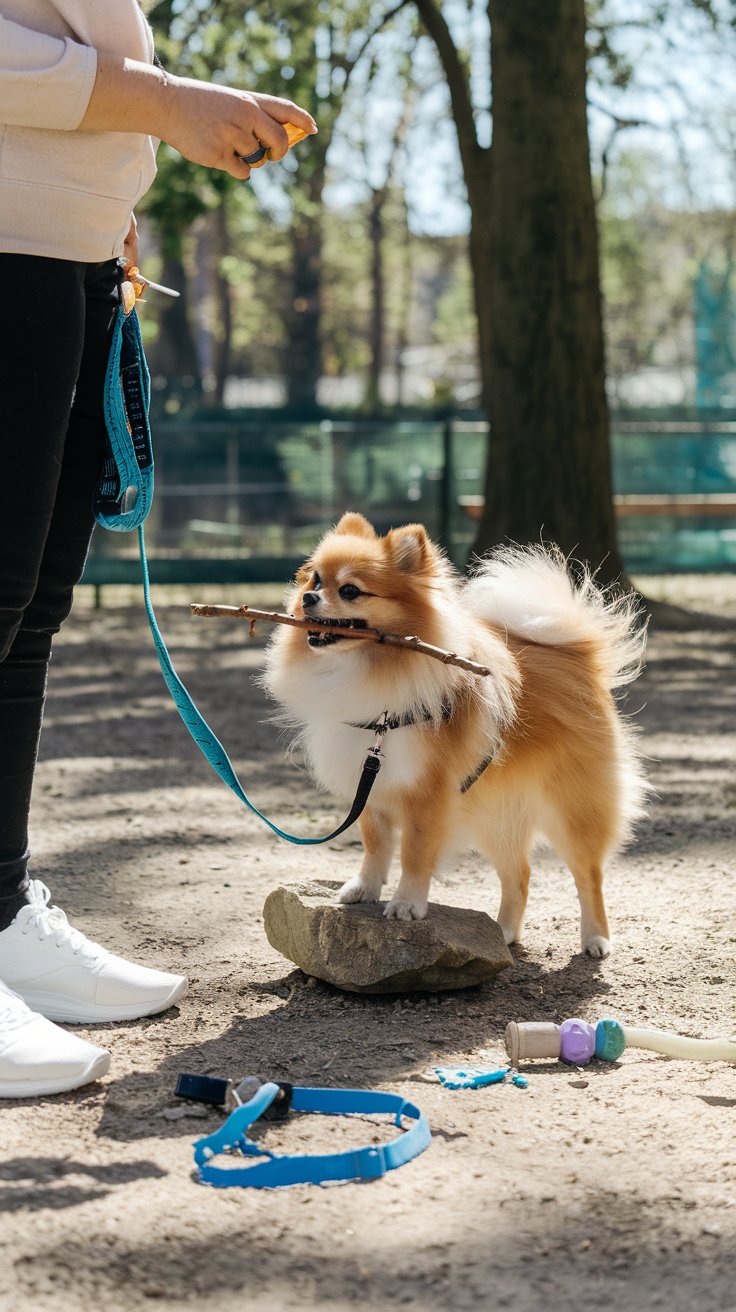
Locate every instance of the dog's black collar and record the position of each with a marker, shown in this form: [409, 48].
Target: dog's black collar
[405, 719]
[475, 776]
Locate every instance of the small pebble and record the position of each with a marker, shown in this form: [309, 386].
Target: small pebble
[180, 1113]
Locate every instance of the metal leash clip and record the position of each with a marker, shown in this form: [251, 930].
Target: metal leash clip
[382, 728]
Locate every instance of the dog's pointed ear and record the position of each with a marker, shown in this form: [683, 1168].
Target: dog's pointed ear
[355, 525]
[410, 548]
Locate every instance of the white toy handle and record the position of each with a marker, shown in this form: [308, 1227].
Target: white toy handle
[676, 1045]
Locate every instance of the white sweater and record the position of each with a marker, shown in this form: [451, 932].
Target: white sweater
[63, 193]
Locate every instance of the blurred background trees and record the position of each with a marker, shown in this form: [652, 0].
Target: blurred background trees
[433, 249]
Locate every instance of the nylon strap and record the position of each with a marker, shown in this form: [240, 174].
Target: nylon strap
[122, 501]
[124, 494]
[358, 1164]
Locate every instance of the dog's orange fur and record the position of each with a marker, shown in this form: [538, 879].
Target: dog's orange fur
[563, 760]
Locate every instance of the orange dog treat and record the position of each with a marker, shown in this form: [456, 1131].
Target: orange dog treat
[294, 134]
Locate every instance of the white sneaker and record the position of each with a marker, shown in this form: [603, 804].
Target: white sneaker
[37, 1057]
[60, 973]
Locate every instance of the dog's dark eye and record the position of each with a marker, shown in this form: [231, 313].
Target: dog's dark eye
[349, 592]
[316, 581]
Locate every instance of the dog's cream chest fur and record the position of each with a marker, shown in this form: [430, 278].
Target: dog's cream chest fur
[336, 753]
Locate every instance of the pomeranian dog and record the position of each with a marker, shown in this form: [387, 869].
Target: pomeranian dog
[536, 747]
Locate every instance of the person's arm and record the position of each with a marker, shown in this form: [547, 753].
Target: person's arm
[208, 123]
[45, 82]
[48, 82]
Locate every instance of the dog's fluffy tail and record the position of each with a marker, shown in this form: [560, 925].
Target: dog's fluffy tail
[530, 592]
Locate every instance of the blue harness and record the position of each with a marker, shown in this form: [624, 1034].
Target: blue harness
[122, 501]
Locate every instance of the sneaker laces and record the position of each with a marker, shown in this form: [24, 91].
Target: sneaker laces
[51, 921]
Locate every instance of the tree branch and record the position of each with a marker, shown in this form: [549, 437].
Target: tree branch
[345, 628]
[437, 28]
[348, 65]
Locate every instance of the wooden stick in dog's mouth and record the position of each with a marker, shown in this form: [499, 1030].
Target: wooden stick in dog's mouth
[355, 628]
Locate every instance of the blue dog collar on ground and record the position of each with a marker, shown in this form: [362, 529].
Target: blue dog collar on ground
[357, 1164]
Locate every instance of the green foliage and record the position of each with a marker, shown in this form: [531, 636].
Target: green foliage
[307, 50]
[183, 192]
[454, 318]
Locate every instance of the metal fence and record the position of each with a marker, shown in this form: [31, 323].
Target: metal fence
[245, 499]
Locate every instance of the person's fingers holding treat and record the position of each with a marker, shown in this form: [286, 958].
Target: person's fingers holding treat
[264, 138]
[279, 125]
[287, 113]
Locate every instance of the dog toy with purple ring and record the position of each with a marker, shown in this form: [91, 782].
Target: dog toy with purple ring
[577, 1042]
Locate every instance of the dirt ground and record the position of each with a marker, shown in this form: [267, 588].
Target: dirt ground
[614, 1185]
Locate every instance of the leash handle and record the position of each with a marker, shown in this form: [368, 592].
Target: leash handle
[124, 493]
[213, 750]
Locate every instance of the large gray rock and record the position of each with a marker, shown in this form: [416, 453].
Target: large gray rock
[356, 948]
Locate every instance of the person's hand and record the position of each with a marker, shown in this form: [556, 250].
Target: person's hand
[216, 126]
[208, 123]
[130, 246]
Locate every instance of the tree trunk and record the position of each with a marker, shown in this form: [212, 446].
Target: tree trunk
[541, 334]
[303, 363]
[377, 233]
[480, 252]
[175, 355]
[377, 331]
[403, 327]
[223, 301]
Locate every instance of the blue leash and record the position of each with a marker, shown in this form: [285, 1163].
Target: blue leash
[304, 1168]
[122, 502]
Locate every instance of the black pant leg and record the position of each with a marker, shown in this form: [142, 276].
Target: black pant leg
[72, 521]
[41, 345]
[52, 368]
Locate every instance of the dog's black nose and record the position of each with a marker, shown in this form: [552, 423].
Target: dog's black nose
[309, 600]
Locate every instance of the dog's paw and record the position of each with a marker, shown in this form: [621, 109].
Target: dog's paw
[511, 933]
[356, 891]
[400, 908]
[598, 946]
